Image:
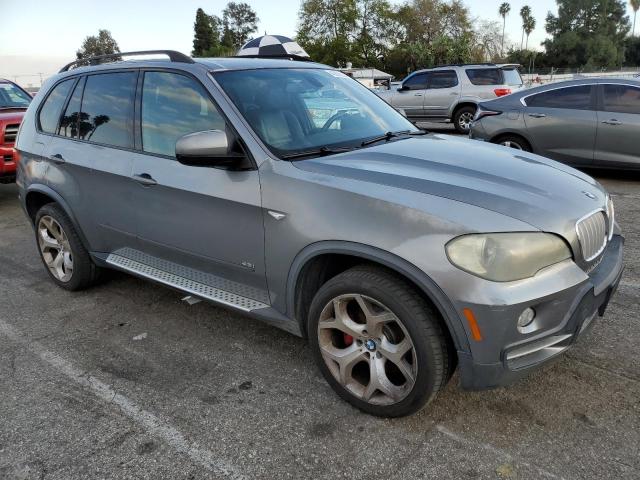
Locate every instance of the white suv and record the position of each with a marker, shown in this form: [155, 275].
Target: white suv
[452, 91]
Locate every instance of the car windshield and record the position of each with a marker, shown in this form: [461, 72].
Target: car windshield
[13, 97]
[304, 110]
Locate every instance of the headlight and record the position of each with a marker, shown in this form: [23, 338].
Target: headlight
[505, 257]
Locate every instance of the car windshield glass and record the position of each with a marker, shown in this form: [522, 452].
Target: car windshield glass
[512, 77]
[300, 110]
[13, 97]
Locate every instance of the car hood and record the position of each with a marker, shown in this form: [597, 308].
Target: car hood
[545, 194]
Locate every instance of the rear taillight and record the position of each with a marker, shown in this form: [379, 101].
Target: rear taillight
[501, 92]
[485, 113]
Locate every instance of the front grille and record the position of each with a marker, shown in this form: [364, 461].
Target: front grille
[593, 233]
[11, 132]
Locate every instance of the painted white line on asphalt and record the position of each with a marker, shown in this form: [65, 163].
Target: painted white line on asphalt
[152, 424]
[496, 451]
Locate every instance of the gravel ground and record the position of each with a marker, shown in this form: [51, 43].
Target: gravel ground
[127, 381]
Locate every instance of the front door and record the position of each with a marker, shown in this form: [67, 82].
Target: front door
[562, 123]
[410, 97]
[618, 125]
[207, 219]
[443, 91]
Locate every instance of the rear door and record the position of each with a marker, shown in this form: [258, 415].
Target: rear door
[91, 157]
[443, 91]
[618, 125]
[410, 96]
[562, 123]
[207, 219]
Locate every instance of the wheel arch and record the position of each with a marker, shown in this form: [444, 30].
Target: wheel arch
[351, 254]
[38, 195]
[464, 102]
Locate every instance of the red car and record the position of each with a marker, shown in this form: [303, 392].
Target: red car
[13, 103]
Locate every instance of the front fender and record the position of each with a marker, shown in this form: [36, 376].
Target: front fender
[389, 260]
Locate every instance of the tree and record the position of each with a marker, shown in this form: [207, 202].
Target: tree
[239, 21]
[205, 38]
[525, 14]
[587, 34]
[102, 44]
[635, 4]
[529, 26]
[504, 10]
[488, 42]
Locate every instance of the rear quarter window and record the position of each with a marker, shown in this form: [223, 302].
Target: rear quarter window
[52, 107]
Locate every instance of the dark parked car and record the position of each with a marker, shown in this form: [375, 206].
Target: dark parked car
[586, 122]
[395, 252]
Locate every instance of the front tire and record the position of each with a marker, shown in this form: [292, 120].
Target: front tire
[66, 260]
[378, 343]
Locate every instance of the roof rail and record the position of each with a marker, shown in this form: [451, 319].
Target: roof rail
[172, 54]
[488, 64]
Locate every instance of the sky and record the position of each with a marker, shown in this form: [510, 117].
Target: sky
[37, 37]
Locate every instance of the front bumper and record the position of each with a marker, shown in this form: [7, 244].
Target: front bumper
[7, 164]
[585, 303]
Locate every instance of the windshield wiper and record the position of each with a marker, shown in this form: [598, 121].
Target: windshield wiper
[389, 135]
[316, 152]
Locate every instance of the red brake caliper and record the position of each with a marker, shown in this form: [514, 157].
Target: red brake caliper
[348, 339]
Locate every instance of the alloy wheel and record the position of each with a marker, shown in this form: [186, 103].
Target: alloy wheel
[511, 144]
[465, 120]
[55, 249]
[367, 349]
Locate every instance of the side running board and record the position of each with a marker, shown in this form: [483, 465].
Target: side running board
[206, 286]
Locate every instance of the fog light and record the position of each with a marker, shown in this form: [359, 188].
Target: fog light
[525, 320]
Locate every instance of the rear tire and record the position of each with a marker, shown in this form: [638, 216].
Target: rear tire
[66, 260]
[462, 119]
[378, 343]
[515, 142]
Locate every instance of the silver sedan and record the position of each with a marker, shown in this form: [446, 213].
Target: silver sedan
[588, 122]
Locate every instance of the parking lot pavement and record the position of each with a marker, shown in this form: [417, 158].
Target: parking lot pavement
[126, 381]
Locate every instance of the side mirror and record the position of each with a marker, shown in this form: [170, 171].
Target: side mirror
[210, 148]
[403, 88]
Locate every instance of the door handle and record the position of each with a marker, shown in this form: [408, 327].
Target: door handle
[145, 179]
[537, 115]
[417, 94]
[58, 159]
[613, 121]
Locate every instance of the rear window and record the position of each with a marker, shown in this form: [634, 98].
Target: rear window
[512, 77]
[107, 109]
[485, 76]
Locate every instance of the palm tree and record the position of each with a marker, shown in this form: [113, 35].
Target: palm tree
[529, 26]
[635, 4]
[525, 14]
[504, 10]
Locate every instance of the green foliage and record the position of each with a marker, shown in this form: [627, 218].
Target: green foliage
[632, 52]
[102, 44]
[587, 34]
[239, 22]
[207, 36]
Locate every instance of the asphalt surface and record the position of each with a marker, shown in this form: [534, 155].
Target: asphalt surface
[126, 381]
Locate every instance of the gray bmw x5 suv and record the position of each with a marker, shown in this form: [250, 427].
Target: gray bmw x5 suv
[400, 255]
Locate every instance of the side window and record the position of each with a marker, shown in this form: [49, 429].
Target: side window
[446, 79]
[69, 121]
[174, 105]
[485, 76]
[52, 107]
[107, 109]
[417, 82]
[621, 99]
[575, 98]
